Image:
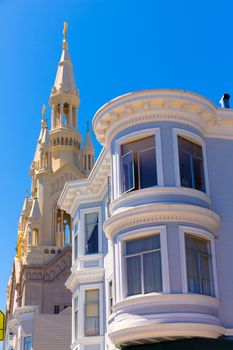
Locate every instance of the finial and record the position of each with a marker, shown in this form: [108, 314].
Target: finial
[26, 194]
[65, 30]
[44, 120]
[43, 111]
[35, 193]
[88, 126]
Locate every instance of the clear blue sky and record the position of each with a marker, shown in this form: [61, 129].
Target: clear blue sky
[116, 46]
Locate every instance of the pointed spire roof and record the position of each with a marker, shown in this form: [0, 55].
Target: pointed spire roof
[65, 81]
[44, 137]
[88, 140]
[26, 205]
[35, 211]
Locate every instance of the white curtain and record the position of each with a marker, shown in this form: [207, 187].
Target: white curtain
[92, 312]
[152, 272]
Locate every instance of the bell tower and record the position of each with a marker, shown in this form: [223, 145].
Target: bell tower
[64, 102]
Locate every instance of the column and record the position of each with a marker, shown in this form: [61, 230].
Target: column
[61, 113]
[70, 115]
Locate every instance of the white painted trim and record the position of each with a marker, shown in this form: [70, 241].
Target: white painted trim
[121, 275]
[129, 138]
[196, 139]
[81, 247]
[202, 234]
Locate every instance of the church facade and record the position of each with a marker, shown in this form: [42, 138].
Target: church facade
[152, 226]
[38, 303]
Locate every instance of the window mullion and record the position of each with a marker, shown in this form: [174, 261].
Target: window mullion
[142, 278]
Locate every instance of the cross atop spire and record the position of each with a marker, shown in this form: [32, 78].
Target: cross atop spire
[64, 82]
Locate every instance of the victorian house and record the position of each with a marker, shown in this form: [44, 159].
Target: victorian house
[38, 303]
[152, 226]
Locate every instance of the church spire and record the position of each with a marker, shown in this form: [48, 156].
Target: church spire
[64, 98]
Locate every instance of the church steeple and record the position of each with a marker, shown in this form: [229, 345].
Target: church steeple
[64, 98]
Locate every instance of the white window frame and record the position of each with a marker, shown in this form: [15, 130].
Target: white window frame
[121, 275]
[116, 158]
[81, 304]
[108, 304]
[199, 233]
[82, 238]
[190, 136]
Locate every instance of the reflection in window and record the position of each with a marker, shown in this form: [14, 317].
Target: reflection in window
[199, 265]
[76, 317]
[191, 164]
[91, 233]
[138, 164]
[143, 265]
[76, 241]
[92, 312]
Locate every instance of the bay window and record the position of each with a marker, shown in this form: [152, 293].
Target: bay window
[199, 265]
[92, 323]
[191, 164]
[91, 233]
[143, 265]
[138, 164]
[76, 307]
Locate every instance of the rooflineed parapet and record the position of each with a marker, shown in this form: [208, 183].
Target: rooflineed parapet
[162, 105]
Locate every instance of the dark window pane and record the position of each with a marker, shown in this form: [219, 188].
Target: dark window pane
[91, 233]
[152, 272]
[199, 182]
[185, 169]
[133, 265]
[135, 246]
[147, 168]
[191, 164]
[127, 169]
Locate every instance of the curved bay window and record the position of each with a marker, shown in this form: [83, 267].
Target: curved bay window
[138, 164]
[191, 164]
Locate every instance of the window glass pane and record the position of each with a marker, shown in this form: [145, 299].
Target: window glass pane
[199, 182]
[206, 272]
[91, 233]
[27, 343]
[76, 317]
[185, 169]
[133, 265]
[147, 168]
[92, 312]
[152, 272]
[143, 244]
[199, 265]
[191, 164]
[138, 164]
[76, 247]
[127, 169]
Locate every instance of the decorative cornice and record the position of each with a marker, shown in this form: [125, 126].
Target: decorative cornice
[158, 106]
[159, 191]
[87, 275]
[158, 213]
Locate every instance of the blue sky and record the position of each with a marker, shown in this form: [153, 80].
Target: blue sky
[116, 46]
